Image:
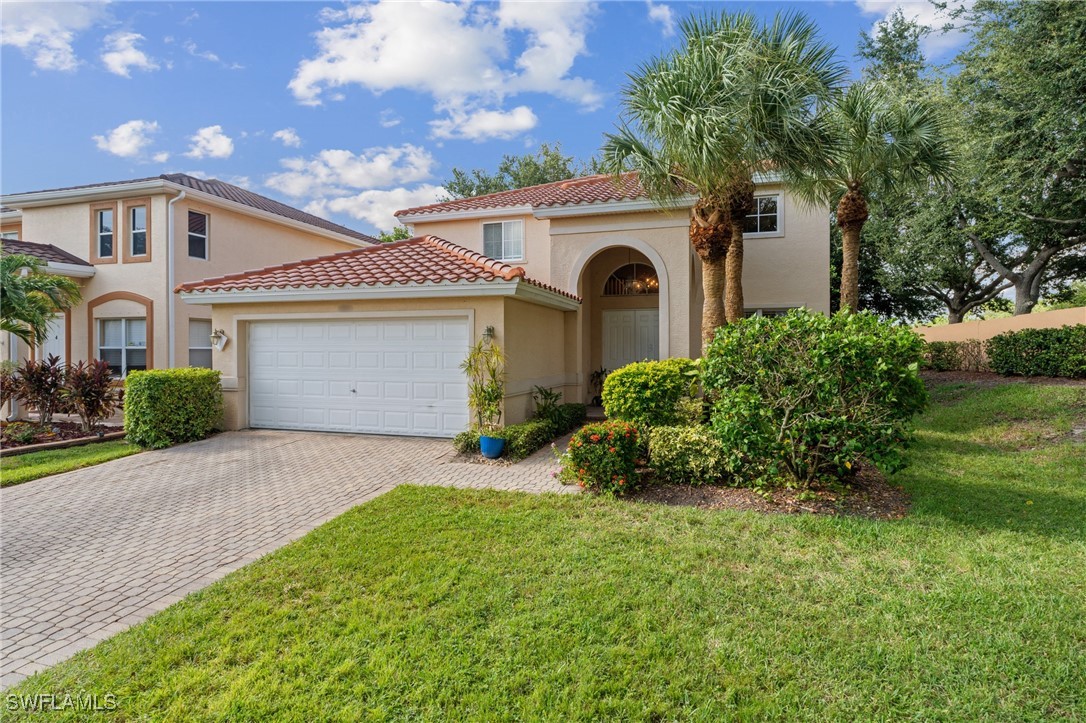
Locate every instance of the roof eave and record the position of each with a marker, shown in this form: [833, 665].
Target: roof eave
[522, 210]
[93, 193]
[516, 287]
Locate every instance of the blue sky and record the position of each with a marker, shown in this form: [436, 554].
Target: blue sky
[349, 111]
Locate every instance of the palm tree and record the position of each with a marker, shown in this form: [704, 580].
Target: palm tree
[738, 97]
[876, 145]
[29, 297]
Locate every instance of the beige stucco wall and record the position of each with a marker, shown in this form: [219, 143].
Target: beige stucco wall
[469, 234]
[237, 242]
[988, 328]
[536, 340]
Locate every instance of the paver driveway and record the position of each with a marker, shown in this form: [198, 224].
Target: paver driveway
[88, 553]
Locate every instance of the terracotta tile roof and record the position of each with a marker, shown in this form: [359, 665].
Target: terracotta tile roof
[45, 252]
[233, 193]
[589, 189]
[420, 260]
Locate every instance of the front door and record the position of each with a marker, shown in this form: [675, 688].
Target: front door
[630, 335]
[57, 339]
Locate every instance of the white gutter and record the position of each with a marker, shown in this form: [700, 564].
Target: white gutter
[169, 278]
[506, 211]
[77, 270]
[516, 287]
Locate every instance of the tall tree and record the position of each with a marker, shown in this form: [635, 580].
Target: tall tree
[892, 53]
[1020, 94]
[737, 98]
[877, 146]
[546, 165]
[29, 297]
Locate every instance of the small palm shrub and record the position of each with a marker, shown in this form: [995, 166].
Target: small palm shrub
[602, 457]
[806, 396]
[163, 407]
[686, 455]
[650, 394]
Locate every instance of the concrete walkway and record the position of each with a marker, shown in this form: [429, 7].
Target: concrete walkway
[86, 554]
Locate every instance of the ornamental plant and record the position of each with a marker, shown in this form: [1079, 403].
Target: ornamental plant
[1040, 352]
[163, 407]
[602, 457]
[485, 369]
[40, 384]
[89, 392]
[650, 393]
[807, 396]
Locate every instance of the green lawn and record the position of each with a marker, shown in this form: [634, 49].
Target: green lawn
[25, 467]
[442, 604]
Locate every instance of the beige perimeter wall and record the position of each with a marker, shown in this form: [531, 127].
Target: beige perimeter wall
[988, 328]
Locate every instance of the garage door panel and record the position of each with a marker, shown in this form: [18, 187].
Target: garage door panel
[385, 376]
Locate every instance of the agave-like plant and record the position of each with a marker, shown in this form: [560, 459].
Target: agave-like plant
[739, 97]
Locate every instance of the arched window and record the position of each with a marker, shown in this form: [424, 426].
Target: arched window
[632, 280]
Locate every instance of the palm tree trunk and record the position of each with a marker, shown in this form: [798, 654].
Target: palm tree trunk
[733, 292]
[713, 277]
[851, 215]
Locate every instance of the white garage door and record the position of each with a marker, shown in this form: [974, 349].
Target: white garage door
[382, 376]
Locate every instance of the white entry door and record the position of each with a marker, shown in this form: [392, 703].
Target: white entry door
[630, 335]
[378, 376]
[56, 341]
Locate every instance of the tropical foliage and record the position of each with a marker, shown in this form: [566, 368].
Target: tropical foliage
[30, 297]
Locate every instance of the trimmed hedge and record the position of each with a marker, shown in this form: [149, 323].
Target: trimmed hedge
[521, 440]
[1040, 352]
[650, 393]
[467, 442]
[955, 356]
[163, 407]
[570, 416]
[686, 455]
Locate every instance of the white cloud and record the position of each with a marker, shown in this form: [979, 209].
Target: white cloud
[45, 31]
[661, 13]
[210, 142]
[378, 207]
[389, 119]
[339, 172]
[460, 54]
[926, 13]
[192, 49]
[161, 157]
[120, 54]
[289, 137]
[480, 125]
[128, 139]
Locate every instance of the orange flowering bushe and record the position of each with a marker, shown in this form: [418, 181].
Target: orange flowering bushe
[604, 456]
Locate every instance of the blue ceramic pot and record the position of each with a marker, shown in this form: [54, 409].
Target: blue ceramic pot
[491, 447]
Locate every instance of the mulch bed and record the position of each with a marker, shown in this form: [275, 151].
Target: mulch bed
[991, 379]
[56, 432]
[869, 496]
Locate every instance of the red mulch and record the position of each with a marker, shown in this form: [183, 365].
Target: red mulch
[56, 432]
[991, 379]
[869, 495]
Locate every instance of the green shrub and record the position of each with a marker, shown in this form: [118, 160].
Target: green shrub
[168, 406]
[547, 403]
[954, 356]
[686, 455]
[649, 393]
[467, 442]
[521, 440]
[809, 395]
[603, 457]
[1040, 352]
[41, 385]
[89, 392]
[570, 416]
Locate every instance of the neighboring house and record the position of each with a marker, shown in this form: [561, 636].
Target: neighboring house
[568, 277]
[116, 239]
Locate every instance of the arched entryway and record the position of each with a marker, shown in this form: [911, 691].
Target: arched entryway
[623, 288]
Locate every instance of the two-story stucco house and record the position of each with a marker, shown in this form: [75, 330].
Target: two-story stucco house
[567, 277]
[129, 243]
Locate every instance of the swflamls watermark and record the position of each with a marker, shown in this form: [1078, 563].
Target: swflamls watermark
[82, 701]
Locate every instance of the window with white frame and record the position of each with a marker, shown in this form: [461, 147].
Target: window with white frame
[764, 217]
[137, 230]
[103, 223]
[122, 343]
[10, 235]
[504, 240]
[198, 235]
[769, 311]
[200, 343]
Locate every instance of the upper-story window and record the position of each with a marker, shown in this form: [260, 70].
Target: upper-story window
[198, 235]
[103, 223]
[504, 240]
[137, 230]
[10, 235]
[765, 216]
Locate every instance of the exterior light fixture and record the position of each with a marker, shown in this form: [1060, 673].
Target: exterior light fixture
[219, 339]
[488, 333]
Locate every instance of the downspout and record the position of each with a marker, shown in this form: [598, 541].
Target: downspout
[171, 307]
